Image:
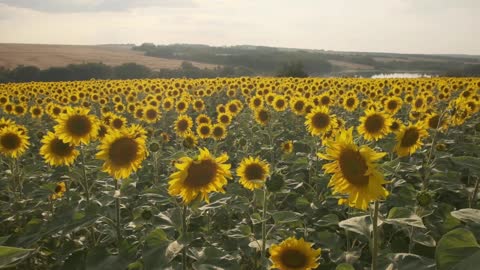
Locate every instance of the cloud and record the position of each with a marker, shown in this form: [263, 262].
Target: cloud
[74, 6]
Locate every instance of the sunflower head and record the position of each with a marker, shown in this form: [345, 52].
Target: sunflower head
[13, 141]
[374, 125]
[287, 147]
[204, 131]
[183, 125]
[319, 121]
[59, 190]
[56, 152]
[199, 176]
[253, 172]
[294, 254]
[409, 139]
[219, 132]
[77, 126]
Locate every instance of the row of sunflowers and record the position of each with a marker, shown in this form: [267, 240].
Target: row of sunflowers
[240, 173]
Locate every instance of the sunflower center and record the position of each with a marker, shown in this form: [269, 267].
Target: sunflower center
[10, 141]
[280, 103]
[123, 151]
[299, 105]
[205, 130]
[354, 167]
[434, 121]
[181, 106]
[79, 125]
[257, 102]
[201, 173]
[293, 258]
[320, 120]
[374, 123]
[151, 114]
[254, 172]
[263, 116]
[350, 102]
[218, 132]
[392, 105]
[224, 119]
[59, 148]
[117, 123]
[410, 137]
[233, 108]
[182, 125]
[395, 126]
[58, 188]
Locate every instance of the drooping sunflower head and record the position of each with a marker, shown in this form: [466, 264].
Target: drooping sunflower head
[13, 141]
[59, 190]
[354, 170]
[262, 116]
[122, 151]
[374, 125]
[199, 176]
[253, 172]
[319, 121]
[76, 126]
[409, 139]
[294, 254]
[56, 152]
[183, 124]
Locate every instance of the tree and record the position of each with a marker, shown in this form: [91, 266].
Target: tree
[25, 74]
[292, 69]
[131, 71]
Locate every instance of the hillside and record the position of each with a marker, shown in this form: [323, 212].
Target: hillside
[45, 56]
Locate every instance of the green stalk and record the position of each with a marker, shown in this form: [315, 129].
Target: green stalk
[117, 213]
[84, 171]
[264, 223]
[184, 232]
[375, 237]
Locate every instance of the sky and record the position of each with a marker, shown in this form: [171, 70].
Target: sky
[399, 26]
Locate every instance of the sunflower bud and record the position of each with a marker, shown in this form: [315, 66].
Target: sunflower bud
[424, 198]
[154, 147]
[440, 147]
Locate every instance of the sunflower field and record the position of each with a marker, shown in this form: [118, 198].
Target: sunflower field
[241, 173]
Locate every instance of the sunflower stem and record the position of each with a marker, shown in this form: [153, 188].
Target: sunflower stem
[474, 193]
[264, 224]
[375, 236]
[184, 231]
[84, 171]
[117, 212]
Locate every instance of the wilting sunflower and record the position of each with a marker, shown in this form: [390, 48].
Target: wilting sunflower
[183, 124]
[204, 131]
[287, 147]
[409, 138]
[13, 141]
[123, 152]
[354, 171]
[219, 132]
[294, 254]
[199, 176]
[319, 121]
[60, 189]
[77, 126]
[374, 125]
[253, 172]
[262, 116]
[56, 152]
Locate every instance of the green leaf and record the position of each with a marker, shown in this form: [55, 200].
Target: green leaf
[458, 250]
[404, 216]
[361, 225]
[155, 249]
[282, 217]
[99, 258]
[472, 163]
[407, 261]
[344, 266]
[9, 255]
[467, 215]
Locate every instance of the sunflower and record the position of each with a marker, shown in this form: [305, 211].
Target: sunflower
[181, 106]
[198, 105]
[189, 140]
[253, 172]
[60, 189]
[436, 121]
[199, 176]
[280, 103]
[262, 116]
[396, 125]
[224, 119]
[409, 139]
[56, 152]
[294, 254]
[123, 152]
[374, 125]
[203, 119]
[354, 171]
[204, 131]
[219, 132]
[319, 121]
[13, 141]
[36, 112]
[392, 105]
[151, 114]
[350, 103]
[256, 102]
[287, 147]
[183, 124]
[118, 122]
[76, 126]
[5, 122]
[297, 105]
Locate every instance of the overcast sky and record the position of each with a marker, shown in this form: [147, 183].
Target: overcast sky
[404, 26]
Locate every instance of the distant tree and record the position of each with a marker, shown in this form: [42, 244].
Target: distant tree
[131, 71]
[56, 74]
[292, 69]
[90, 71]
[467, 71]
[25, 74]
